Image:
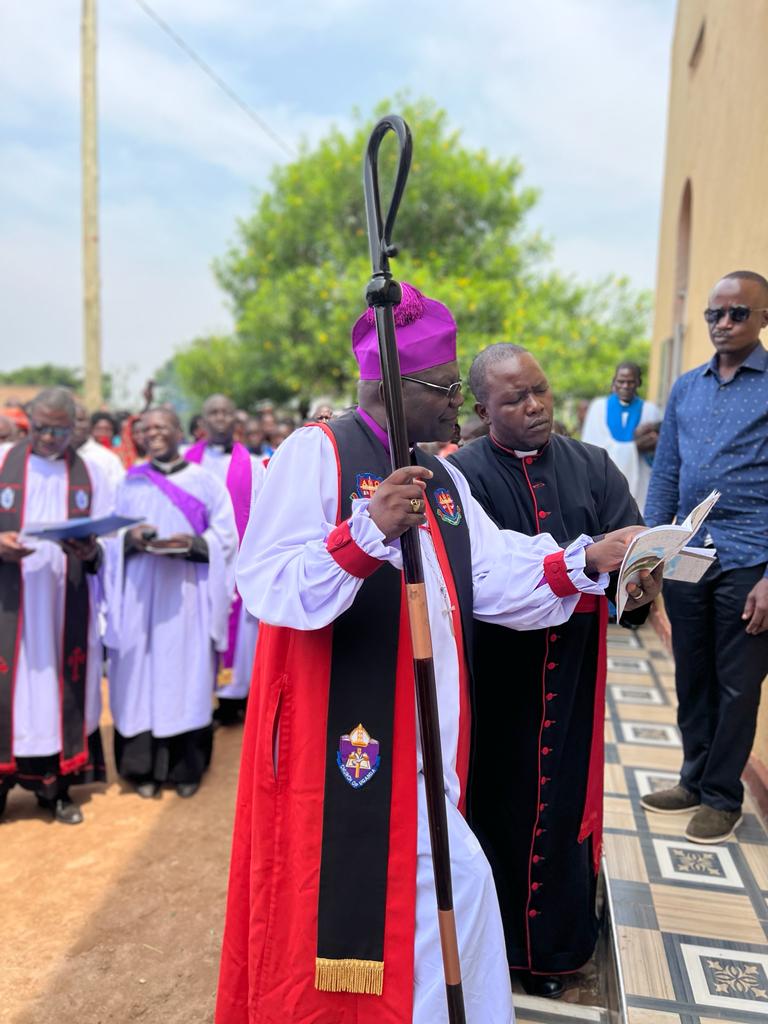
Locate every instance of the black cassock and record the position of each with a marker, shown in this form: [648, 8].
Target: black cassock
[534, 706]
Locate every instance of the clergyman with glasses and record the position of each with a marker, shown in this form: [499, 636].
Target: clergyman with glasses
[715, 435]
[50, 651]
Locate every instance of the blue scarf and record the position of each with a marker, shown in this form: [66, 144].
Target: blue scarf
[623, 431]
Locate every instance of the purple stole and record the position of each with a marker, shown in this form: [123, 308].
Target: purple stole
[240, 486]
[190, 507]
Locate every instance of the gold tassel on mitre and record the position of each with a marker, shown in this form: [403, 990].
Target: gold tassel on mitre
[363, 976]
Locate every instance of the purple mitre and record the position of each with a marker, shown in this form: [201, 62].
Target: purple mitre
[425, 330]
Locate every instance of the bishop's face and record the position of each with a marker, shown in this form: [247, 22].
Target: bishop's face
[431, 413]
[519, 403]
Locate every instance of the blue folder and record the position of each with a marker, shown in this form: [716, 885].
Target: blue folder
[78, 529]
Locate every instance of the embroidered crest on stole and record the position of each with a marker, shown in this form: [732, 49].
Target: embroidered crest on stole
[366, 484]
[445, 506]
[358, 757]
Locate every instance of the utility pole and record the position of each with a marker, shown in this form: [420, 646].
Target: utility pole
[90, 171]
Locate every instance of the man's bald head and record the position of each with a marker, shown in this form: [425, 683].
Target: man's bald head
[742, 293]
[219, 419]
[213, 401]
[513, 396]
[750, 275]
[485, 360]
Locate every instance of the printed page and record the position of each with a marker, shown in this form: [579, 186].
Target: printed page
[689, 565]
[659, 544]
[700, 513]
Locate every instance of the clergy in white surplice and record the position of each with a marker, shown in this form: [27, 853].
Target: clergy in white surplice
[170, 584]
[242, 474]
[50, 594]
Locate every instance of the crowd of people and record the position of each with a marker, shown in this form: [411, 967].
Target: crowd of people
[232, 534]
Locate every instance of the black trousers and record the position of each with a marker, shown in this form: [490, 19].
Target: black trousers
[719, 670]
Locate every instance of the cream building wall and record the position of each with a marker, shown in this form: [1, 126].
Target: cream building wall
[715, 203]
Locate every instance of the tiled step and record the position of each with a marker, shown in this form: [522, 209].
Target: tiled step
[691, 920]
[530, 1010]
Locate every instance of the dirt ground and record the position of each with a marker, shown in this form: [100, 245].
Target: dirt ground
[118, 919]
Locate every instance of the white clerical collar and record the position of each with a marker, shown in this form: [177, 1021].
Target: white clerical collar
[169, 467]
[526, 455]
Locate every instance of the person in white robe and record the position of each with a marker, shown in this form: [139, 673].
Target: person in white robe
[289, 577]
[170, 584]
[215, 453]
[627, 427]
[94, 453]
[38, 761]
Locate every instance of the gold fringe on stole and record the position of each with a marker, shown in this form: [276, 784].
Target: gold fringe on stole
[363, 976]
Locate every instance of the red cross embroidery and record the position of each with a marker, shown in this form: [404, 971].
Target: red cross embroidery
[75, 660]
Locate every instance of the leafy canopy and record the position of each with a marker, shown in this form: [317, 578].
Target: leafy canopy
[297, 272]
[51, 375]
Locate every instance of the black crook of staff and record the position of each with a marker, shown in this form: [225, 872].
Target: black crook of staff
[383, 293]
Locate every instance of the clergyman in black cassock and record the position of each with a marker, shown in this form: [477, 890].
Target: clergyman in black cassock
[534, 702]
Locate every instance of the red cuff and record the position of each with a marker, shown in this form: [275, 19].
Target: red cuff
[556, 575]
[348, 555]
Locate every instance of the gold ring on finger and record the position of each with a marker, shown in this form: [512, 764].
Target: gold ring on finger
[416, 505]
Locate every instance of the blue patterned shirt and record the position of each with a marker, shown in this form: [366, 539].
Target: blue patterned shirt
[715, 436]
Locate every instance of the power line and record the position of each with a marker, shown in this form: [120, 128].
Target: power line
[208, 70]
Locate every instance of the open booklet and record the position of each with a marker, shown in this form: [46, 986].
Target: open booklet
[667, 544]
[79, 528]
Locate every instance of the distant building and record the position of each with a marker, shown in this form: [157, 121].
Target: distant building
[17, 394]
[715, 207]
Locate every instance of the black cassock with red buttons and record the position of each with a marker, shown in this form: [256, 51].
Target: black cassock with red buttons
[534, 705]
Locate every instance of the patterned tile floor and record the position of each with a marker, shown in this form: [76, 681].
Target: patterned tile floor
[692, 920]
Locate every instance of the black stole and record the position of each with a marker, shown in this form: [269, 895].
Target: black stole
[355, 851]
[72, 670]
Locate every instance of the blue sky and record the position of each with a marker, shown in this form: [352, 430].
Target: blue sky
[576, 88]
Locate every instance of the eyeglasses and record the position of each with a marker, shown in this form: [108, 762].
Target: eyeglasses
[450, 391]
[59, 432]
[738, 314]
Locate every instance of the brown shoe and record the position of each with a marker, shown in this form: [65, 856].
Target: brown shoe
[676, 800]
[708, 825]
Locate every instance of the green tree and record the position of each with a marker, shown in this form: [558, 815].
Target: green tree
[297, 272]
[50, 375]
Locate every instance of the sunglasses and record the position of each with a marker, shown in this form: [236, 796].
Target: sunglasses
[57, 432]
[450, 391]
[738, 314]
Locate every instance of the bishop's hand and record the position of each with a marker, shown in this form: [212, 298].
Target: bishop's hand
[398, 503]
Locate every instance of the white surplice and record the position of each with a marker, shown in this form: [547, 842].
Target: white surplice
[216, 460]
[108, 461]
[287, 577]
[167, 616]
[624, 454]
[36, 704]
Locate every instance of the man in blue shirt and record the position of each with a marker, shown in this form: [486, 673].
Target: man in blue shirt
[715, 435]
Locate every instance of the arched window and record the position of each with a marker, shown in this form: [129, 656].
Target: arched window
[672, 358]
